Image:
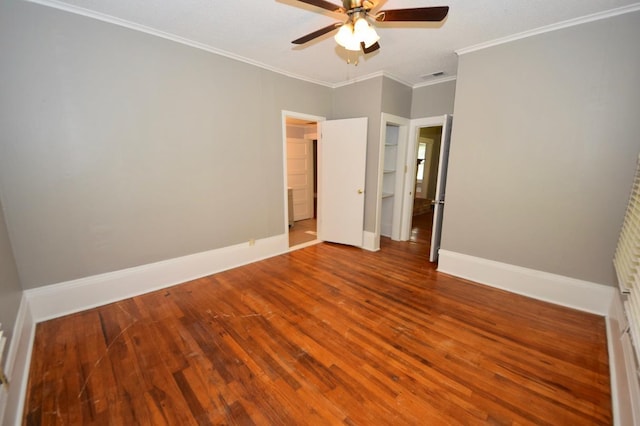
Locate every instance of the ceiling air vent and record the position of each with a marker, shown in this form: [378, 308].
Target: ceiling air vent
[432, 75]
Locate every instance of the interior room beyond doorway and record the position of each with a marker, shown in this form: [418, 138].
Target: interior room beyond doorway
[427, 155]
[302, 188]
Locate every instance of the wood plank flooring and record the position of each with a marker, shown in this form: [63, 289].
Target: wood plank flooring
[323, 335]
[303, 231]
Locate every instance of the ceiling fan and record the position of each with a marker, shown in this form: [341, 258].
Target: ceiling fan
[356, 32]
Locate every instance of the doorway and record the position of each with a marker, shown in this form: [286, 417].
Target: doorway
[301, 177]
[427, 158]
[427, 154]
[394, 131]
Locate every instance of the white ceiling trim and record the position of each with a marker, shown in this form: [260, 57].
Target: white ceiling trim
[369, 77]
[553, 27]
[172, 37]
[435, 81]
[393, 77]
[359, 79]
[152, 31]
[396, 78]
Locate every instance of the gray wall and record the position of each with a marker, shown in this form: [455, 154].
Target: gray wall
[545, 140]
[396, 98]
[120, 148]
[363, 99]
[10, 289]
[370, 98]
[433, 100]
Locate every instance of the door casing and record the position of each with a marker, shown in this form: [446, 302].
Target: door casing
[410, 177]
[401, 169]
[300, 116]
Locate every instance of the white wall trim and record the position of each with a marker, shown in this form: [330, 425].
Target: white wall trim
[358, 79]
[553, 27]
[55, 300]
[369, 241]
[570, 292]
[613, 350]
[18, 363]
[77, 10]
[400, 166]
[369, 77]
[623, 403]
[435, 81]
[304, 245]
[396, 78]
[18, 330]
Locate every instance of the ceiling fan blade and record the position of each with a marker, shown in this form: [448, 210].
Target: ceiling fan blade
[418, 14]
[371, 48]
[316, 34]
[324, 5]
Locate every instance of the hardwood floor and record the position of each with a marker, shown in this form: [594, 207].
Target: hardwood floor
[323, 335]
[421, 226]
[303, 231]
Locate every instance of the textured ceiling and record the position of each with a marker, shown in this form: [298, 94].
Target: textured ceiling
[260, 31]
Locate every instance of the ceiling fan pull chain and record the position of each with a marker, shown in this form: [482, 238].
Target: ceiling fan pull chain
[355, 60]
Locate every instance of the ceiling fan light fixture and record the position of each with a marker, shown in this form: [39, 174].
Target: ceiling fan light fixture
[346, 37]
[365, 33]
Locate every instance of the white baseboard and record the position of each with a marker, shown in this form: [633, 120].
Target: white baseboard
[625, 401]
[56, 300]
[570, 292]
[305, 245]
[370, 242]
[17, 367]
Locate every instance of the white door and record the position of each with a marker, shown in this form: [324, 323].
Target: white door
[342, 154]
[441, 184]
[300, 176]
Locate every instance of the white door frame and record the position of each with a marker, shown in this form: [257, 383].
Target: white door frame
[285, 197]
[410, 177]
[401, 167]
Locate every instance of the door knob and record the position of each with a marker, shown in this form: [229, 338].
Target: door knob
[360, 191]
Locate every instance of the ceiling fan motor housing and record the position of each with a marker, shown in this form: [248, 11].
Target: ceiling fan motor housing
[351, 4]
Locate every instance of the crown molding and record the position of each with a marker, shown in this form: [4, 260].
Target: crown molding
[371, 76]
[172, 37]
[397, 79]
[553, 27]
[435, 81]
[358, 79]
[55, 4]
